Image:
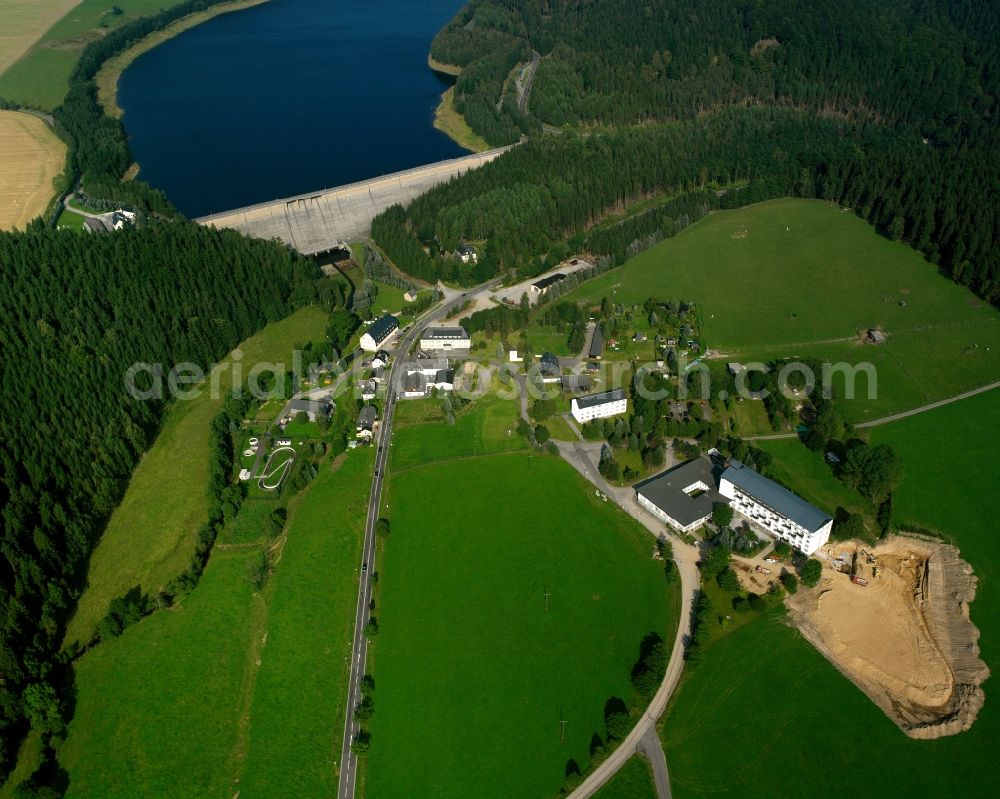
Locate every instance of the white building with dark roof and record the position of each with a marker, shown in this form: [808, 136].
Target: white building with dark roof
[442, 339]
[599, 406]
[542, 286]
[774, 508]
[381, 331]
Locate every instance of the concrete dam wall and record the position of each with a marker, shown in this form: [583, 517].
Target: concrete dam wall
[319, 222]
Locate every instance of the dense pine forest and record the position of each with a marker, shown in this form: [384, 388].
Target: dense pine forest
[75, 312]
[890, 109]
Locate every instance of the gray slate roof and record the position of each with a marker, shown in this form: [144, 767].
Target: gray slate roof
[545, 282]
[367, 417]
[596, 343]
[444, 333]
[381, 329]
[600, 399]
[666, 490]
[776, 497]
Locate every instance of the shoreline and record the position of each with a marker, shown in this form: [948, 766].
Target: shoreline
[109, 74]
[448, 120]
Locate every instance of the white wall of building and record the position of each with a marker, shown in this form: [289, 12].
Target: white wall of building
[663, 517]
[602, 411]
[440, 344]
[808, 541]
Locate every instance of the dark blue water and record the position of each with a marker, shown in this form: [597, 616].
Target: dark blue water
[286, 98]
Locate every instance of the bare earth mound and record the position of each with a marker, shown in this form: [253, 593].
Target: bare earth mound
[905, 638]
[31, 156]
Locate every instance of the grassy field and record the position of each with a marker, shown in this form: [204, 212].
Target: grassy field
[158, 709]
[296, 719]
[233, 691]
[150, 536]
[479, 429]
[23, 22]
[469, 666]
[809, 277]
[31, 158]
[40, 77]
[111, 71]
[634, 781]
[765, 685]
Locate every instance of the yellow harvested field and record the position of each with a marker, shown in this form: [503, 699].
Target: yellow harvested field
[23, 22]
[31, 157]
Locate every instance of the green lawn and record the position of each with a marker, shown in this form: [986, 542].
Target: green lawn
[765, 711]
[634, 781]
[801, 278]
[479, 429]
[70, 220]
[41, 78]
[297, 715]
[559, 429]
[151, 534]
[250, 525]
[158, 709]
[472, 673]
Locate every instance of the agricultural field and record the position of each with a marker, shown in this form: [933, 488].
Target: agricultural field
[23, 22]
[796, 708]
[809, 278]
[487, 426]
[235, 689]
[31, 158]
[634, 781]
[39, 76]
[151, 534]
[462, 615]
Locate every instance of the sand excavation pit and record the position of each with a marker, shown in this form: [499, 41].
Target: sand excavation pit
[905, 638]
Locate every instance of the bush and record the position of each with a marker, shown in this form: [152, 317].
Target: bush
[382, 528]
[728, 581]
[811, 572]
[790, 581]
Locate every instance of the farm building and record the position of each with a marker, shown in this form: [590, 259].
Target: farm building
[599, 406]
[596, 343]
[445, 338]
[421, 377]
[576, 384]
[381, 331]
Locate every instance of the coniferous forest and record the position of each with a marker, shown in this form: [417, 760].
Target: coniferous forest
[890, 109]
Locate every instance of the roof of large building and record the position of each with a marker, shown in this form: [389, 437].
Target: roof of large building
[444, 333]
[308, 406]
[576, 383]
[382, 328]
[776, 497]
[600, 399]
[667, 490]
[596, 343]
[545, 282]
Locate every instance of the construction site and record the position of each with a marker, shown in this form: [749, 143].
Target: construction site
[894, 619]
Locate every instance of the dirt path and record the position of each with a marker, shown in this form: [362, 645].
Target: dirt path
[896, 416]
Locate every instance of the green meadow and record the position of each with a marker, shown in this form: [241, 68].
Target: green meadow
[233, 690]
[151, 534]
[480, 429]
[634, 781]
[472, 673]
[797, 278]
[765, 711]
[296, 719]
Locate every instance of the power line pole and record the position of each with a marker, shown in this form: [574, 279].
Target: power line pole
[562, 726]
[545, 588]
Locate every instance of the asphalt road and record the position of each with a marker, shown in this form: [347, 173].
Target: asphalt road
[359, 644]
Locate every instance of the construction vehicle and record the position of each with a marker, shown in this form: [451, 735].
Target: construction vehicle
[858, 580]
